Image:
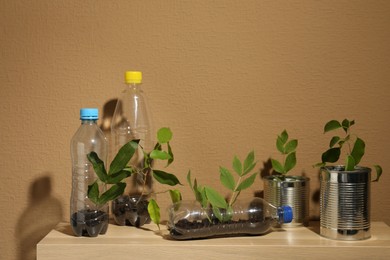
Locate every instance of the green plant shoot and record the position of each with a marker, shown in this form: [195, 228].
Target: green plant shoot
[355, 147]
[120, 170]
[207, 196]
[288, 150]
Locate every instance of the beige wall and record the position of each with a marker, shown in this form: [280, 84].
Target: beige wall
[226, 76]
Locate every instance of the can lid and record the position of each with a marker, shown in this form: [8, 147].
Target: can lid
[287, 214]
[89, 113]
[133, 77]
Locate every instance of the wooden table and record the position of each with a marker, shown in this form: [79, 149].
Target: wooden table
[147, 243]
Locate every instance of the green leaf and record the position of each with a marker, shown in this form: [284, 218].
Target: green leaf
[332, 155]
[215, 198]
[228, 214]
[226, 178]
[154, 212]
[147, 160]
[119, 176]
[189, 180]
[346, 124]
[165, 178]
[350, 163]
[170, 160]
[247, 182]
[290, 162]
[217, 213]
[93, 192]
[291, 146]
[160, 155]
[280, 144]
[197, 190]
[358, 150]
[249, 163]
[284, 137]
[277, 166]
[203, 196]
[114, 192]
[157, 146]
[98, 166]
[175, 195]
[331, 125]
[334, 141]
[198, 193]
[237, 165]
[123, 156]
[378, 170]
[164, 135]
[249, 169]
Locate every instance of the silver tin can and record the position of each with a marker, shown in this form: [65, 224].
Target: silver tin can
[292, 191]
[345, 203]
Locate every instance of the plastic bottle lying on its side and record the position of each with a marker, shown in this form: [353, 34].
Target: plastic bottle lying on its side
[188, 220]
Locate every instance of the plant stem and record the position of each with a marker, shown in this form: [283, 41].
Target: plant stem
[144, 178]
[235, 193]
[348, 142]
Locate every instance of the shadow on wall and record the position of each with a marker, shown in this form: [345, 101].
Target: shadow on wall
[265, 171]
[108, 112]
[43, 213]
[105, 123]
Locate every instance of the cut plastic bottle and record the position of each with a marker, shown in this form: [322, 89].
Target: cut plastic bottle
[87, 218]
[188, 220]
[132, 120]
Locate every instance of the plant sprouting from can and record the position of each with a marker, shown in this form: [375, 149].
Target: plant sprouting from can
[355, 147]
[287, 148]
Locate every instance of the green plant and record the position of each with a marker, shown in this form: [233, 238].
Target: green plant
[120, 169]
[208, 196]
[288, 150]
[355, 147]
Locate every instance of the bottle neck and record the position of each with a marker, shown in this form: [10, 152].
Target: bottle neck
[285, 214]
[134, 86]
[88, 121]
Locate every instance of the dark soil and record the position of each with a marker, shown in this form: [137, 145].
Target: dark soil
[130, 211]
[89, 222]
[185, 229]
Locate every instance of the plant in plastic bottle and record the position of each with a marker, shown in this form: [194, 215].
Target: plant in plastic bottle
[207, 196]
[120, 169]
[213, 215]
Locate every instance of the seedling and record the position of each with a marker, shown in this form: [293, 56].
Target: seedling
[354, 146]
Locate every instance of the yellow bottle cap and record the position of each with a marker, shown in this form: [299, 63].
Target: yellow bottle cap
[133, 77]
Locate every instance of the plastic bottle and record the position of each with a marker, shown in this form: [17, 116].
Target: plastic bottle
[188, 220]
[87, 219]
[131, 120]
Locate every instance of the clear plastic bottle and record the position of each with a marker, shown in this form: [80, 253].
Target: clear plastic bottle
[188, 220]
[132, 120]
[87, 219]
